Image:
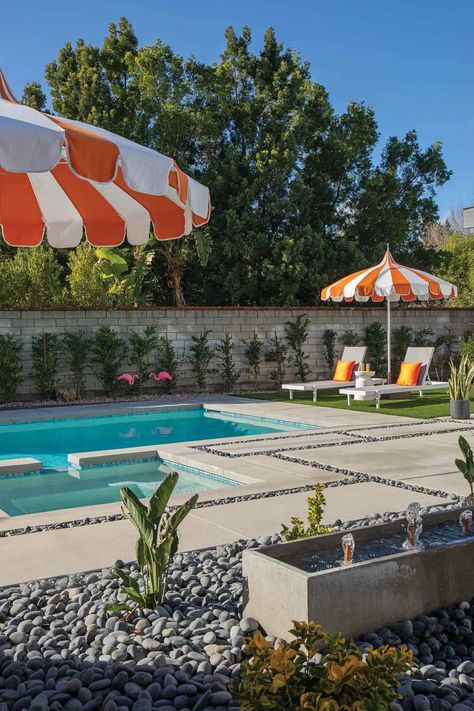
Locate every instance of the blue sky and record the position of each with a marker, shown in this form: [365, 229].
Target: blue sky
[411, 60]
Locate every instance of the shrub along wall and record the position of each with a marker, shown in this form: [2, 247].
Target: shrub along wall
[181, 324]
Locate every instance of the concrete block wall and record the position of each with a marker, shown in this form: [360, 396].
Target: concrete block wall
[181, 324]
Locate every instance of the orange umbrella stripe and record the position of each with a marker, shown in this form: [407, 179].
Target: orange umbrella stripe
[366, 285]
[336, 289]
[104, 226]
[90, 156]
[167, 217]
[20, 215]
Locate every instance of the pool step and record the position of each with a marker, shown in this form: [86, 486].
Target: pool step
[20, 466]
[110, 456]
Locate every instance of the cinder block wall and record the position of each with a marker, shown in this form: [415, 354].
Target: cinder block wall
[181, 324]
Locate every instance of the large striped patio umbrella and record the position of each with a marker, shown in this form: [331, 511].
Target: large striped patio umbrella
[67, 179]
[392, 282]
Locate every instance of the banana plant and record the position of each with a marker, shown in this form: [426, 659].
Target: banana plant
[156, 545]
[114, 270]
[466, 465]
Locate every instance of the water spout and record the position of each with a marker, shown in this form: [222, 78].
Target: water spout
[348, 546]
[465, 521]
[414, 526]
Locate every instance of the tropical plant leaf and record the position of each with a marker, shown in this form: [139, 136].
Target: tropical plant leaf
[181, 513]
[464, 446]
[111, 256]
[159, 500]
[118, 607]
[138, 514]
[124, 577]
[134, 595]
[141, 552]
[461, 465]
[203, 247]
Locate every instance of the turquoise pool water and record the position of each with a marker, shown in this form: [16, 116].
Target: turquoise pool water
[61, 486]
[51, 490]
[51, 441]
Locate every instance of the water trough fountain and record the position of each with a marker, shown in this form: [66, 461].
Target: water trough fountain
[359, 581]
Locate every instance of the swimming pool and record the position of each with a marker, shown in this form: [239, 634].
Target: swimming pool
[60, 486]
[51, 441]
[50, 490]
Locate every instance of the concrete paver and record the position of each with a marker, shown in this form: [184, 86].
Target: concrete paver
[63, 551]
[401, 459]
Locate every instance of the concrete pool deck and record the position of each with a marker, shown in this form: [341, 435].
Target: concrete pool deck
[397, 450]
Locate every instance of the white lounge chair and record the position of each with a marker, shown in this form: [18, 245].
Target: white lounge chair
[421, 355]
[356, 353]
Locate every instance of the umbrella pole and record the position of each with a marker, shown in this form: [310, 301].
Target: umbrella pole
[389, 355]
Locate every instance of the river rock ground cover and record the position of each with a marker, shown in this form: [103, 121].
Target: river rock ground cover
[61, 649]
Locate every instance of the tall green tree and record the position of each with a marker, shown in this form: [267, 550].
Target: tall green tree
[457, 266]
[298, 195]
[92, 84]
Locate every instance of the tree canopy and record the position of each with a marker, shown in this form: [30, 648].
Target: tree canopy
[299, 198]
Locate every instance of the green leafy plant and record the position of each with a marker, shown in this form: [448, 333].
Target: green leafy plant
[316, 504]
[108, 354]
[467, 348]
[466, 465]
[423, 337]
[10, 366]
[142, 347]
[277, 354]
[123, 282]
[329, 341]
[228, 370]
[156, 545]
[254, 355]
[203, 246]
[88, 289]
[460, 378]
[318, 672]
[375, 340]
[350, 338]
[76, 347]
[170, 361]
[200, 358]
[46, 350]
[32, 279]
[297, 334]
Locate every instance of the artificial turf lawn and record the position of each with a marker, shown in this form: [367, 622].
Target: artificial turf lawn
[433, 404]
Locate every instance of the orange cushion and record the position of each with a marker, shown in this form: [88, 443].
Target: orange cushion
[343, 372]
[409, 373]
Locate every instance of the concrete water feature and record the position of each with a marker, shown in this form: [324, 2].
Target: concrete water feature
[367, 594]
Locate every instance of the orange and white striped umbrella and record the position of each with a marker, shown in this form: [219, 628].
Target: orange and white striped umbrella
[392, 282]
[66, 178]
[389, 280]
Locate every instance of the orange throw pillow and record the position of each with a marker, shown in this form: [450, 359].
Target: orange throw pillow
[343, 372]
[409, 373]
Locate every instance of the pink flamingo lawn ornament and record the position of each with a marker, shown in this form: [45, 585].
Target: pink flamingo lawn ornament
[162, 376]
[129, 378]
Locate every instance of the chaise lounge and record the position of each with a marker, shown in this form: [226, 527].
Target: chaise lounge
[350, 353]
[414, 355]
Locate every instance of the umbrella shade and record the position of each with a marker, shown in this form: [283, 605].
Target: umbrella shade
[64, 178]
[391, 281]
